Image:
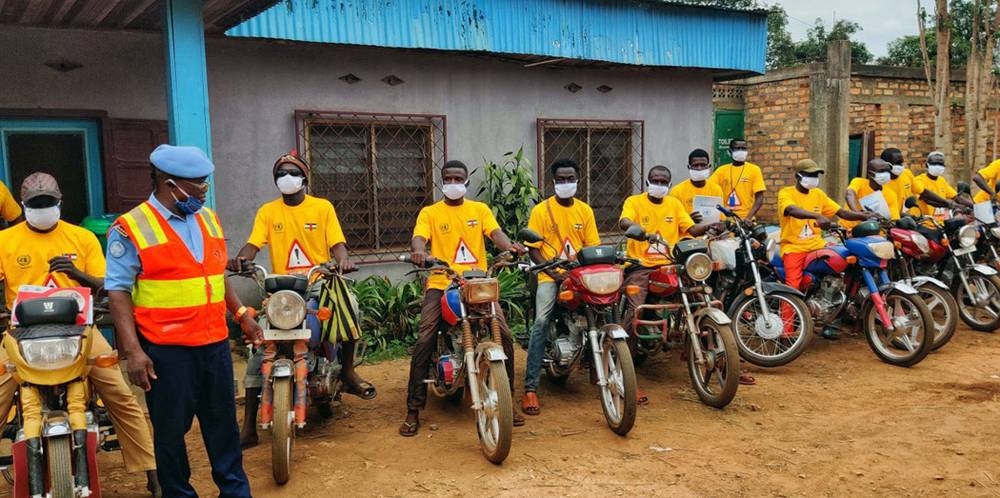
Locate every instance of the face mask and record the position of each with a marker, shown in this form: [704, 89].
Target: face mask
[881, 178]
[42, 219]
[740, 155]
[657, 191]
[565, 190]
[897, 169]
[935, 169]
[809, 182]
[188, 206]
[289, 184]
[699, 175]
[453, 191]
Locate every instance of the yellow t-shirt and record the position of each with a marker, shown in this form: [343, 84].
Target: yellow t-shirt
[25, 255]
[574, 229]
[668, 218]
[739, 185]
[862, 188]
[799, 235]
[904, 186]
[457, 235]
[940, 187]
[300, 236]
[991, 174]
[9, 208]
[686, 191]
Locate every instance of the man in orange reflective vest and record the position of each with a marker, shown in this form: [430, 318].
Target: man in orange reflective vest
[165, 278]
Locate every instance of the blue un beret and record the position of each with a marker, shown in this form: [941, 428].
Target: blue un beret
[182, 161]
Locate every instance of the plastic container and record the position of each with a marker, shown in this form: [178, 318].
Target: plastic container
[99, 225]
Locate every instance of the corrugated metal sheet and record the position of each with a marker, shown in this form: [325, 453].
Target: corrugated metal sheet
[618, 31]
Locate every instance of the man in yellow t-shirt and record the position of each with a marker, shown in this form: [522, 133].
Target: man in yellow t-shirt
[904, 184]
[933, 180]
[860, 188]
[698, 184]
[456, 229]
[46, 251]
[303, 231]
[986, 179]
[10, 211]
[742, 182]
[567, 224]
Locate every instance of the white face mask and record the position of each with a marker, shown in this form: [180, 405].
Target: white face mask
[809, 182]
[657, 191]
[453, 191]
[897, 169]
[289, 184]
[882, 178]
[935, 169]
[42, 219]
[565, 190]
[699, 175]
[740, 155]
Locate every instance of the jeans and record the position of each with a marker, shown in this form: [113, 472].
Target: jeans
[545, 301]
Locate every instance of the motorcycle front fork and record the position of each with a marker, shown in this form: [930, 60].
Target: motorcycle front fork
[300, 349]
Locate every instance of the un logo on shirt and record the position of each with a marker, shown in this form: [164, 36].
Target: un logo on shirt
[279, 227]
[24, 260]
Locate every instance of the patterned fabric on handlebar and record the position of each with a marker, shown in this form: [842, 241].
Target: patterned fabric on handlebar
[344, 324]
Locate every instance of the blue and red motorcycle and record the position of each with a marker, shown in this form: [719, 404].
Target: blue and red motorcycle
[851, 278]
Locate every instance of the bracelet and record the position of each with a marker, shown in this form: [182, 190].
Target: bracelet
[244, 311]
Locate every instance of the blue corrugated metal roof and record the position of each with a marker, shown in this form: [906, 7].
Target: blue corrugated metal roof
[619, 31]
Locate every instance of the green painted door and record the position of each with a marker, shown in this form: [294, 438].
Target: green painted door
[854, 156]
[728, 125]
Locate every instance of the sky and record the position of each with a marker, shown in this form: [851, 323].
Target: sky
[881, 20]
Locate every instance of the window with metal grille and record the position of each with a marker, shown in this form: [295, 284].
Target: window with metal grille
[610, 155]
[376, 169]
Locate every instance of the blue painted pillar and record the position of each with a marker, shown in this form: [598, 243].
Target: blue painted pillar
[187, 77]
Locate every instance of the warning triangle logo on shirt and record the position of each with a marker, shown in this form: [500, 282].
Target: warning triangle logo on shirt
[807, 231]
[567, 251]
[463, 255]
[733, 200]
[655, 248]
[297, 258]
[51, 282]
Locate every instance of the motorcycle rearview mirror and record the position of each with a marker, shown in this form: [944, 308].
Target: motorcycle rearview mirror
[635, 232]
[530, 236]
[910, 202]
[963, 188]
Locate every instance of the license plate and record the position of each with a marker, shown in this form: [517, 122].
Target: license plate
[964, 251]
[287, 335]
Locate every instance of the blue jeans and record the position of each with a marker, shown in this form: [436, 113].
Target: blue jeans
[545, 301]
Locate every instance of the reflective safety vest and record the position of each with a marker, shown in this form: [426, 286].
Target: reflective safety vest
[178, 301]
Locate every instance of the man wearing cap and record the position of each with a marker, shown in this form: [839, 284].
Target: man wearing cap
[805, 211]
[10, 211]
[303, 231]
[45, 251]
[933, 182]
[166, 280]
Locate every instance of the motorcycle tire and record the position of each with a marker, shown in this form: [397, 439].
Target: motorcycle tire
[714, 335]
[754, 348]
[60, 468]
[618, 397]
[283, 432]
[944, 313]
[890, 351]
[967, 312]
[495, 421]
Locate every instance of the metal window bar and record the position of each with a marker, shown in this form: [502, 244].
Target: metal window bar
[378, 171]
[610, 154]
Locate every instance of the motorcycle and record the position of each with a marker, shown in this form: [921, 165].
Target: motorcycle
[468, 359]
[680, 310]
[584, 329]
[764, 336]
[851, 278]
[54, 452]
[301, 374]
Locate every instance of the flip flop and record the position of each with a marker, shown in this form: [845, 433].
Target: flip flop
[364, 390]
[641, 398]
[529, 404]
[747, 379]
[409, 429]
[518, 420]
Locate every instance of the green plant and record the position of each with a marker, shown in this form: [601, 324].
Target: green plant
[510, 191]
[390, 312]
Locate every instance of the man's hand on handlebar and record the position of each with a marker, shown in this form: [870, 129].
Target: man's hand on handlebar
[823, 222]
[418, 258]
[239, 265]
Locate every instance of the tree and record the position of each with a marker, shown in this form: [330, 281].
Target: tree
[905, 51]
[979, 78]
[780, 48]
[940, 84]
[813, 48]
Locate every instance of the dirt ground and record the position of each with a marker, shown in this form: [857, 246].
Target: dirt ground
[836, 422]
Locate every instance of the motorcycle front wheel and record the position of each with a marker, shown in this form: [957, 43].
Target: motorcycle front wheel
[774, 342]
[495, 419]
[909, 341]
[618, 396]
[283, 432]
[944, 312]
[986, 316]
[718, 377]
[60, 467]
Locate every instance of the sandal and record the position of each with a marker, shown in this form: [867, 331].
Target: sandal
[409, 429]
[518, 420]
[747, 379]
[364, 389]
[640, 398]
[529, 404]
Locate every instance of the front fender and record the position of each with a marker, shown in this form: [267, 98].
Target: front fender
[902, 287]
[493, 352]
[717, 315]
[282, 368]
[614, 330]
[984, 270]
[772, 287]
[923, 280]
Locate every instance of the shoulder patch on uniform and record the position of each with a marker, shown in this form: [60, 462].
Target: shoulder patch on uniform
[120, 229]
[116, 249]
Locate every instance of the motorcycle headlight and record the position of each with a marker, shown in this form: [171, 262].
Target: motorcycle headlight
[921, 242]
[604, 282]
[967, 236]
[996, 232]
[481, 290]
[883, 250]
[50, 354]
[698, 266]
[286, 310]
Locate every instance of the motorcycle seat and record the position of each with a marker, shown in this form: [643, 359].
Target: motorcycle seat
[47, 331]
[296, 283]
[45, 310]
